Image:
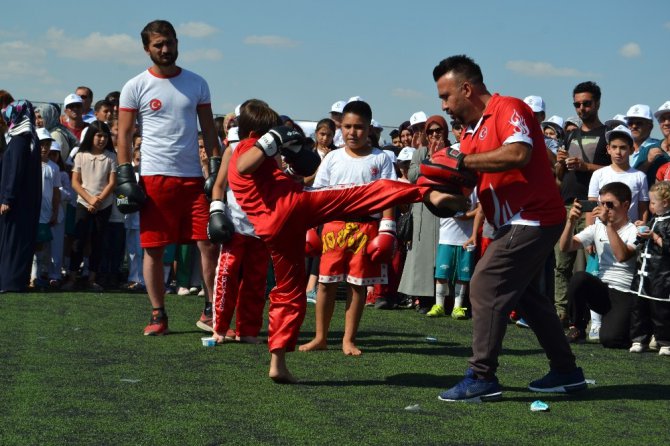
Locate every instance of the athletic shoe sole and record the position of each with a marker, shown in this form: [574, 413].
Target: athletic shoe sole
[475, 399]
[204, 327]
[568, 388]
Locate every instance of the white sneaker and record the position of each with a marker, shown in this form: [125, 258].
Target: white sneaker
[594, 333]
[653, 345]
[664, 351]
[182, 291]
[637, 347]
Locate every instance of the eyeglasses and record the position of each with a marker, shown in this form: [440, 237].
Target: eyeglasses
[583, 103]
[607, 204]
[637, 122]
[434, 131]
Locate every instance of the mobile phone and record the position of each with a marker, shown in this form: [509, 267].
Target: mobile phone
[587, 205]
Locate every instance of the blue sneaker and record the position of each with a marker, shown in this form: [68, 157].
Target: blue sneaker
[554, 382]
[522, 323]
[473, 390]
[311, 296]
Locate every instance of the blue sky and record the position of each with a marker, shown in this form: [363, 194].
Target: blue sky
[301, 56]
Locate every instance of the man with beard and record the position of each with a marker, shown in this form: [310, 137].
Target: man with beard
[168, 102]
[585, 152]
[504, 144]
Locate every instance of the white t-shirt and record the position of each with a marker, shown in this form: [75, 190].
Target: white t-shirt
[633, 178]
[338, 167]
[50, 181]
[168, 118]
[617, 275]
[454, 231]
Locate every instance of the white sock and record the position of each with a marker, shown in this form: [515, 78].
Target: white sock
[459, 292]
[596, 319]
[441, 292]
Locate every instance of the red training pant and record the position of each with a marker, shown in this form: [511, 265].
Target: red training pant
[307, 209]
[246, 293]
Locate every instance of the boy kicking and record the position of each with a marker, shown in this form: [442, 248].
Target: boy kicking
[281, 211]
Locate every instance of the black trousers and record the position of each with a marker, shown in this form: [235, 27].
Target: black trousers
[585, 292]
[89, 226]
[650, 317]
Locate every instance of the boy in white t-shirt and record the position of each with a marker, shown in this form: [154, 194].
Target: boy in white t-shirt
[353, 251]
[454, 262]
[619, 147]
[48, 212]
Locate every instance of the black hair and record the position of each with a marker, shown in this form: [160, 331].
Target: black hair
[588, 87]
[360, 108]
[102, 103]
[393, 133]
[113, 97]
[620, 190]
[461, 65]
[406, 125]
[326, 122]
[83, 87]
[256, 116]
[92, 129]
[162, 27]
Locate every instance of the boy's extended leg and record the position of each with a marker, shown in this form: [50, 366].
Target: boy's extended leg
[354, 311]
[325, 306]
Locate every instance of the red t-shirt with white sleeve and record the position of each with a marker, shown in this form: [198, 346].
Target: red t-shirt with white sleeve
[526, 195]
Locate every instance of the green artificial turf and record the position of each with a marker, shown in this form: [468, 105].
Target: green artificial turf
[75, 369]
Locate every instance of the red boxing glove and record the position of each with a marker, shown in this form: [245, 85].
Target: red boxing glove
[382, 248]
[313, 245]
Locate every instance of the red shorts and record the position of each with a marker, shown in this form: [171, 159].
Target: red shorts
[176, 211]
[344, 256]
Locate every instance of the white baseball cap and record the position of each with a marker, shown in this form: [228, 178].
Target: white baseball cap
[536, 103]
[406, 154]
[639, 111]
[554, 121]
[72, 99]
[616, 120]
[233, 134]
[43, 134]
[337, 107]
[376, 125]
[417, 118]
[621, 130]
[55, 147]
[663, 109]
[573, 120]
[355, 98]
[237, 110]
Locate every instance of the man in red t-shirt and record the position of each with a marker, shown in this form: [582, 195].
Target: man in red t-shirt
[503, 142]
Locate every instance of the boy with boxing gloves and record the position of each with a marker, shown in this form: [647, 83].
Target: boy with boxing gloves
[282, 210]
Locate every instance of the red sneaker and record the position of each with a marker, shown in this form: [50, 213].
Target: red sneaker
[157, 326]
[205, 323]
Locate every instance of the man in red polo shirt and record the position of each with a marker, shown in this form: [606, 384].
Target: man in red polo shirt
[504, 144]
[168, 102]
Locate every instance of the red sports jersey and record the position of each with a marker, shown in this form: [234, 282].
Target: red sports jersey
[528, 195]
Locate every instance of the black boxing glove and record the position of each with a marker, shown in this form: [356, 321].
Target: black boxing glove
[280, 137]
[129, 195]
[301, 162]
[220, 228]
[214, 165]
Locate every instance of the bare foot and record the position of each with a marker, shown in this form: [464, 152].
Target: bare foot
[218, 338]
[248, 340]
[283, 378]
[314, 344]
[350, 349]
[278, 371]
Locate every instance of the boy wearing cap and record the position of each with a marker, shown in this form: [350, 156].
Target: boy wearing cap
[619, 147]
[48, 211]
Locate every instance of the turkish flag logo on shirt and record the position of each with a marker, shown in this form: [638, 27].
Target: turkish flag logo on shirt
[155, 104]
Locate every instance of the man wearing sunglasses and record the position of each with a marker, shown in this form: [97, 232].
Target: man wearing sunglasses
[585, 152]
[609, 293]
[647, 154]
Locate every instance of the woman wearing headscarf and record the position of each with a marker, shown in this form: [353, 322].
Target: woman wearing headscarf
[51, 116]
[418, 275]
[20, 196]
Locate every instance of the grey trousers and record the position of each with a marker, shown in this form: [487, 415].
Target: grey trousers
[507, 277]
